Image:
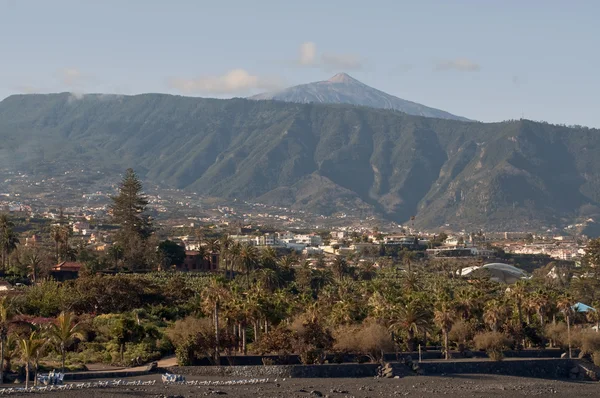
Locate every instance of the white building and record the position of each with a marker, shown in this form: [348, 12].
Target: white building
[309, 239]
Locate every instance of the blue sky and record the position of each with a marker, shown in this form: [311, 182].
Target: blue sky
[486, 60]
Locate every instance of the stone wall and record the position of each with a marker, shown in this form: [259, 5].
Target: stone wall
[292, 371]
[540, 368]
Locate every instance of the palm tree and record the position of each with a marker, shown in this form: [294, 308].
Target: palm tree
[412, 316]
[468, 301]
[339, 267]
[565, 304]
[116, 252]
[55, 235]
[495, 314]
[213, 297]
[518, 293]
[444, 317]
[10, 350]
[541, 301]
[31, 349]
[4, 323]
[6, 227]
[248, 260]
[234, 255]
[407, 258]
[65, 233]
[62, 332]
[33, 261]
[226, 242]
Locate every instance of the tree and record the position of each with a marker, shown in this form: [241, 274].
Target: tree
[62, 332]
[518, 293]
[129, 206]
[229, 251]
[128, 210]
[248, 260]
[412, 316]
[31, 348]
[65, 234]
[592, 253]
[8, 238]
[4, 323]
[444, 318]
[339, 267]
[565, 304]
[212, 298]
[115, 252]
[33, 260]
[172, 253]
[55, 235]
[125, 330]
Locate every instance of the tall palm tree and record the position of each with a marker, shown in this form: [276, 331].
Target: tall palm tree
[565, 304]
[6, 225]
[65, 235]
[55, 235]
[213, 296]
[4, 324]
[541, 301]
[234, 255]
[248, 260]
[444, 318]
[31, 348]
[62, 332]
[518, 294]
[226, 242]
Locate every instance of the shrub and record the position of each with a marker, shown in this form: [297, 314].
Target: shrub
[557, 333]
[461, 333]
[312, 340]
[494, 343]
[195, 338]
[277, 341]
[370, 339]
[589, 342]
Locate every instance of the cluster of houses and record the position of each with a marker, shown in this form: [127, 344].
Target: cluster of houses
[559, 249]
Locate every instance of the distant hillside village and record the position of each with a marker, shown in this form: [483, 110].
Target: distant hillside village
[90, 228]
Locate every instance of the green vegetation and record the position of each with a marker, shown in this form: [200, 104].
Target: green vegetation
[278, 305]
[323, 158]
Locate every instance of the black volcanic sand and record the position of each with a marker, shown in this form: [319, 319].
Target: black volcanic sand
[414, 386]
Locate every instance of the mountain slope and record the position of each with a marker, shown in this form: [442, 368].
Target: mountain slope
[323, 158]
[343, 89]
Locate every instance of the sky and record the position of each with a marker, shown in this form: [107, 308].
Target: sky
[488, 60]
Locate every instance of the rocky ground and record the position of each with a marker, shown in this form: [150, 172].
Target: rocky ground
[413, 386]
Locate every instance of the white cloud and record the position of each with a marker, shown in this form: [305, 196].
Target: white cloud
[461, 64]
[234, 81]
[308, 53]
[328, 60]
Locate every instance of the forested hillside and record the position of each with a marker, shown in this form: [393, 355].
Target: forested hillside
[323, 158]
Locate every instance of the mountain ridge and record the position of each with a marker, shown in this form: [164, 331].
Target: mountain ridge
[318, 157]
[343, 88]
